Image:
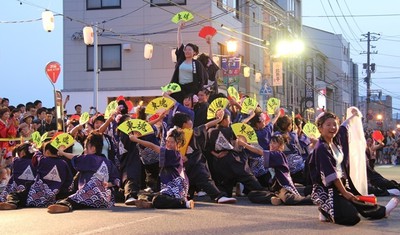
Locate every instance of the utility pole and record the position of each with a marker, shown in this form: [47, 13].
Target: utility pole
[368, 38]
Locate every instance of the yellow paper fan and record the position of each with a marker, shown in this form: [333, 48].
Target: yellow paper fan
[272, 105]
[171, 87]
[143, 127]
[245, 130]
[110, 108]
[182, 16]
[188, 136]
[217, 104]
[232, 92]
[84, 118]
[37, 139]
[249, 104]
[311, 130]
[63, 139]
[159, 104]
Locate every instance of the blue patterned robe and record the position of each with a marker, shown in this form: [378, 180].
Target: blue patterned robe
[323, 173]
[53, 176]
[93, 171]
[22, 177]
[174, 181]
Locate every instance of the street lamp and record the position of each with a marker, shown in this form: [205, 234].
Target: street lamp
[285, 51]
[231, 45]
[379, 120]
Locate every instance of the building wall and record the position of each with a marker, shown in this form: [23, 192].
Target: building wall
[338, 73]
[137, 74]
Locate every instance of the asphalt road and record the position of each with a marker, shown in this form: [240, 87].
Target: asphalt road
[207, 218]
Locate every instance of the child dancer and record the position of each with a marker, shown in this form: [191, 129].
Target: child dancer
[174, 182]
[282, 183]
[53, 180]
[22, 177]
[97, 175]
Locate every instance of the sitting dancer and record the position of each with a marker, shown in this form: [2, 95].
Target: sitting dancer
[328, 174]
[97, 175]
[282, 183]
[22, 177]
[53, 180]
[174, 182]
[194, 160]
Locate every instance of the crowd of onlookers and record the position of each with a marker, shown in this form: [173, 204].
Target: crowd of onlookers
[387, 151]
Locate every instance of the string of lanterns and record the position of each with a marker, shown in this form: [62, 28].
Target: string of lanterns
[88, 37]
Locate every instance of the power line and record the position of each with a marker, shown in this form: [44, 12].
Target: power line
[369, 15]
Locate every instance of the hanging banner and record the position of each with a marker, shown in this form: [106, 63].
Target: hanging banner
[277, 76]
[230, 66]
[309, 89]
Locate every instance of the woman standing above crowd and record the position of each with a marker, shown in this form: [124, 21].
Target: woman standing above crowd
[189, 73]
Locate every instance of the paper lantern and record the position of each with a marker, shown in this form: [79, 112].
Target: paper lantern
[246, 71]
[88, 37]
[148, 51]
[258, 77]
[48, 20]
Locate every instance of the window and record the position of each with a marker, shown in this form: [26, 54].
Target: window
[167, 2]
[102, 4]
[229, 6]
[109, 57]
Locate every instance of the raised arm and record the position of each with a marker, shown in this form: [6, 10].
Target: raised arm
[219, 117]
[160, 117]
[64, 154]
[276, 116]
[210, 53]
[147, 144]
[105, 125]
[179, 35]
[75, 130]
[251, 115]
[250, 147]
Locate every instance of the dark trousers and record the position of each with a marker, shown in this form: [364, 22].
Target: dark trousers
[18, 198]
[200, 179]
[233, 169]
[161, 201]
[260, 197]
[346, 212]
[151, 176]
[131, 188]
